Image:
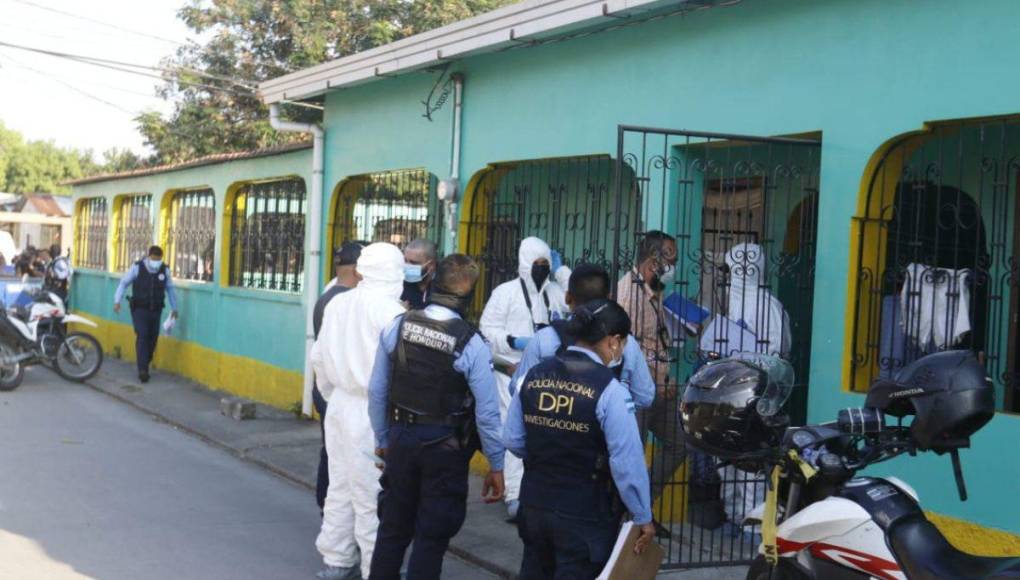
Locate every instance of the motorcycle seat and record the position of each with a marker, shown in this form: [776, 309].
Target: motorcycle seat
[925, 554]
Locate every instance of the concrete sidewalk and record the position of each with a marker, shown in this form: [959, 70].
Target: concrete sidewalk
[289, 447]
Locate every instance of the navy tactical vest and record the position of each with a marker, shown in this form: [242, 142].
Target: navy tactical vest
[567, 465]
[424, 382]
[148, 292]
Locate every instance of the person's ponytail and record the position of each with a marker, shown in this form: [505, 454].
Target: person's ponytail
[595, 320]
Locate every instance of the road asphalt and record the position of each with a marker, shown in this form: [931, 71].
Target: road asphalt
[93, 488]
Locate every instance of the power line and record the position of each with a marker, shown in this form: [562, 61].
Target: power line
[79, 91]
[95, 60]
[99, 22]
[50, 75]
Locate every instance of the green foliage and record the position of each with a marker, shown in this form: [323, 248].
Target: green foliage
[255, 40]
[41, 166]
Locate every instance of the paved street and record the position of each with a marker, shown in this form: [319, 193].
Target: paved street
[92, 488]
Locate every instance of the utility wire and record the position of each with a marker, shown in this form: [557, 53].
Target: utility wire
[95, 60]
[99, 22]
[22, 65]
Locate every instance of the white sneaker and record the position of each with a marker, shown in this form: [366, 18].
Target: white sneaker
[338, 573]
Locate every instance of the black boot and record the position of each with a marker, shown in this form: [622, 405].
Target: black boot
[143, 376]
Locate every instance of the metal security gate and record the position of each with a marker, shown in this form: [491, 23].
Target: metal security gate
[937, 250]
[714, 241]
[569, 202]
[387, 206]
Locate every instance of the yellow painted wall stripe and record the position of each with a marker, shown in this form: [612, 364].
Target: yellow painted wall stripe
[238, 375]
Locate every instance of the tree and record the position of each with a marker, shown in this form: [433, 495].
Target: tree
[42, 166]
[250, 41]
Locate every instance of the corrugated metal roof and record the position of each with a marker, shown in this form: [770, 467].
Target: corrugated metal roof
[207, 160]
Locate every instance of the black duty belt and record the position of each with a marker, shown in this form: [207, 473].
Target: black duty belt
[405, 417]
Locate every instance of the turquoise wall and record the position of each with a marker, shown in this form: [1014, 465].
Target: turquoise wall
[212, 315]
[859, 71]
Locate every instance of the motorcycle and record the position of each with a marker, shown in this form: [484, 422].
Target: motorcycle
[834, 525]
[37, 334]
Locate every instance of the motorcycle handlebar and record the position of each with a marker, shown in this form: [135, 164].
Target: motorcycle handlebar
[861, 421]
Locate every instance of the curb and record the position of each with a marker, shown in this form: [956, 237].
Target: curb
[459, 553]
[238, 453]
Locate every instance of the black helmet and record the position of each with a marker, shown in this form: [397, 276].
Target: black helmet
[731, 407]
[948, 393]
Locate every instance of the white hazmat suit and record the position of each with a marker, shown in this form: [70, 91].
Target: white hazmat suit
[507, 313]
[342, 358]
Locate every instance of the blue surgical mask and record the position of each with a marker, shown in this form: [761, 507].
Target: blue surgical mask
[153, 264]
[413, 273]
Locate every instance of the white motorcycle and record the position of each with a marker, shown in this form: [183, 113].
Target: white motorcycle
[38, 334]
[833, 525]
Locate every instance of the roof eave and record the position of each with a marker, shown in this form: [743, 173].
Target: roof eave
[515, 24]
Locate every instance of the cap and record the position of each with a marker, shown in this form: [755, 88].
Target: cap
[347, 254]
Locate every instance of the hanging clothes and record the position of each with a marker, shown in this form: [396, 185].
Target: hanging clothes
[936, 306]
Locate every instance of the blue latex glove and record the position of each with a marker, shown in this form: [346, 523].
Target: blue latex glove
[520, 342]
[556, 262]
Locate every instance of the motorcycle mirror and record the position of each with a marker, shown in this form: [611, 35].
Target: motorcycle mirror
[961, 486]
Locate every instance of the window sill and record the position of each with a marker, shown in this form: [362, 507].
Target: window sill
[264, 295]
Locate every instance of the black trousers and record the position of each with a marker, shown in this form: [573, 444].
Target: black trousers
[146, 323]
[424, 499]
[561, 547]
[322, 480]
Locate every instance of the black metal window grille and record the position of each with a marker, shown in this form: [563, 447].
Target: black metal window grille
[568, 202]
[90, 231]
[743, 213]
[267, 234]
[388, 206]
[191, 235]
[937, 254]
[134, 230]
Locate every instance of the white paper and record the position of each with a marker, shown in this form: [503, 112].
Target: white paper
[621, 539]
[169, 323]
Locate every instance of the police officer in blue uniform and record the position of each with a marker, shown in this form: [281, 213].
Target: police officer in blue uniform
[573, 423]
[151, 287]
[432, 400]
[589, 282]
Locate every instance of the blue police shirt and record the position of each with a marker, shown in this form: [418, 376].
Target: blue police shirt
[475, 363]
[132, 274]
[615, 412]
[635, 374]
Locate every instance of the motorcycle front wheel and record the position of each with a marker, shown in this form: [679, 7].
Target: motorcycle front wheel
[10, 375]
[760, 570]
[78, 357]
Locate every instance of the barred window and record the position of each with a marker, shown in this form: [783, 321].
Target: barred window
[133, 233]
[90, 229]
[267, 234]
[936, 265]
[191, 234]
[388, 206]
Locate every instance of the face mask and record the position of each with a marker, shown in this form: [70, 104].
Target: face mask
[413, 273]
[617, 361]
[154, 264]
[667, 273]
[539, 273]
[457, 303]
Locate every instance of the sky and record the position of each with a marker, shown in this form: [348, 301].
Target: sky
[78, 105]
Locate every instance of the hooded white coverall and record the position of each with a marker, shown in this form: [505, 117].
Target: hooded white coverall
[507, 313]
[761, 313]
[342, 358]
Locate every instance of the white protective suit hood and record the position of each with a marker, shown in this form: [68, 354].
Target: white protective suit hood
[344, 354]
[532, 249]
[750, 300]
